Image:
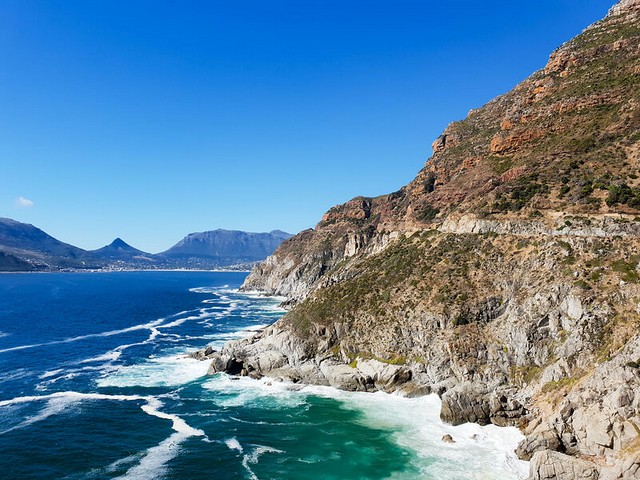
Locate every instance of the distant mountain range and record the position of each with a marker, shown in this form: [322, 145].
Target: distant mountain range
[24, 247]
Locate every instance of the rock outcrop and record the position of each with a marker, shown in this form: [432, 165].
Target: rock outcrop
[504, 277]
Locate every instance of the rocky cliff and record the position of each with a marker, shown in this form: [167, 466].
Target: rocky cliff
[504, 277]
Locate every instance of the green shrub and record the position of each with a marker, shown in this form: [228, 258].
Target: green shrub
[427, 213]
[624, 194]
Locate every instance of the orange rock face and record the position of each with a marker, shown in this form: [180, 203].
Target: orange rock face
[501, 143]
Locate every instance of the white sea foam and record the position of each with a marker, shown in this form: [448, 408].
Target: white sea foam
[151, 326]
[15, 374]
[204, 313]
[253, 457]
[52, 377]
[118, 464]
[479, 452]
[110, 356]
[144, 326]
[245, 392]
[51, 373]
[172, 370]
[260, 422]
[255, 328]
[55, 405]
[179, 425]
[224, 291]
[71, 395]
[233, 444]
[260, 450]
[153, 463]
[258, 294]
[154, 334]
[57, 377]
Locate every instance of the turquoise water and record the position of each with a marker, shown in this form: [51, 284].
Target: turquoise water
[94, 384]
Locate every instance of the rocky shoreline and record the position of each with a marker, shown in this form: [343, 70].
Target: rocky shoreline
[593, 412]
[505, 277]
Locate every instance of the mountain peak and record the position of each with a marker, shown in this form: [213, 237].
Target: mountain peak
[119, 243]
[119, 250]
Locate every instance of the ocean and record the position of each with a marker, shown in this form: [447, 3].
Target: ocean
[95, 384]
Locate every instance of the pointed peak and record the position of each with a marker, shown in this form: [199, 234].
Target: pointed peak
[118, 242]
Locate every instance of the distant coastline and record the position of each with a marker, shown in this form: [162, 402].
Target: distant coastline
[80, 270]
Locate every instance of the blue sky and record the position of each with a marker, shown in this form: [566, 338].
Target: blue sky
[149, 120]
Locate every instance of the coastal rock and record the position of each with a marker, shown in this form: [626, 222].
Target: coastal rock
[550, 465]
[203, 354]
[448, 439]
[342, 376]
[542, 439]
[383, 375]
[224, 363]
[598, 417]
[472, 403]
[277, 354]
[465, 403]
[625, 469]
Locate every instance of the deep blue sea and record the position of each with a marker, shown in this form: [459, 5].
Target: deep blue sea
[94, 384]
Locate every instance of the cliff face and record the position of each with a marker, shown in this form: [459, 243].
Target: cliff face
[504, 277]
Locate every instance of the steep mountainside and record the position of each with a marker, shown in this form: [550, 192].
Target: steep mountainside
[504, 277]
[227, 247]
[37, 250]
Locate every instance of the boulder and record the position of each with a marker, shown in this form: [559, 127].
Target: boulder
[383, 375]
[543, 438]
[342, 376]
[448, 439]
[470, 402]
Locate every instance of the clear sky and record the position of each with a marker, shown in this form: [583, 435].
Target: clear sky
[152, 119]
